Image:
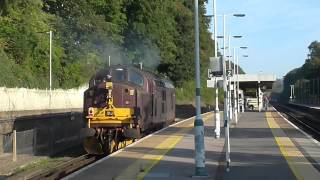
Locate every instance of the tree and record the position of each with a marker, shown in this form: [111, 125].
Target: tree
[309, 70]
[158, 33]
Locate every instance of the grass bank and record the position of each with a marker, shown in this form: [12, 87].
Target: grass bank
[186, 94]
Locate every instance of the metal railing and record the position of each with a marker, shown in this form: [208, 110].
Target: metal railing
[307, 91]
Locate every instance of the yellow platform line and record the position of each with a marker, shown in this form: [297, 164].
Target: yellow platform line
[299, 165]
[142, 167]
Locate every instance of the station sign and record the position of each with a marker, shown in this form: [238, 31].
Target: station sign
[216, 68]
[229, 73]
[211, 83]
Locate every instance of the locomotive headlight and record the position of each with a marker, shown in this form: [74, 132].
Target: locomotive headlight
[90, 111]
[109, 113]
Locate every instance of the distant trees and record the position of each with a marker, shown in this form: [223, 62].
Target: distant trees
[309, 70]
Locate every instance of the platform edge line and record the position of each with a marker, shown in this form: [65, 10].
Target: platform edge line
[296, 127]
[281, 146]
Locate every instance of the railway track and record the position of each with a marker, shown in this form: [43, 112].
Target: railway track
[66, 168]
[60, 170]
[310, 123]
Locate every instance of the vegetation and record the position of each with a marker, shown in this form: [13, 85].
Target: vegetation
[309, 70]
[85, 33]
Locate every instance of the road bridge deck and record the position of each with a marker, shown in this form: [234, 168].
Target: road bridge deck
[263, 146]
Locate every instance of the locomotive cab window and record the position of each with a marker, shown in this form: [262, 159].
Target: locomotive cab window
[118, 74]
[135, 78]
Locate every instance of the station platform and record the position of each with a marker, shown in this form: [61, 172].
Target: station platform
[263, 146]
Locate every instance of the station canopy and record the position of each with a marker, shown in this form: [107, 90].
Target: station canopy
[247, 81]
[253, 80]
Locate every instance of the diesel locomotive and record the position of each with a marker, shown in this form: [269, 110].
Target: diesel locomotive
[123, 102]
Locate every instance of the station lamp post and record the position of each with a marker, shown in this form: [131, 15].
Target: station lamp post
[50, 61]
[216, 111]
[200, 169]
[50, 70]
[225, 79]
[231, 110]
[226, 117]
[229, 104]
[236, 83]
[238, 87]
[50, 55]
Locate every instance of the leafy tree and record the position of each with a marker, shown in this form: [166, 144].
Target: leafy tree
[158, 33]
[309, 70]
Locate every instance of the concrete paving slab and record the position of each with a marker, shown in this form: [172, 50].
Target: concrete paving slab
[254, 152]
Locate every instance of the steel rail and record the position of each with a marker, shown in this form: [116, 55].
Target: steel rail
[308, 123]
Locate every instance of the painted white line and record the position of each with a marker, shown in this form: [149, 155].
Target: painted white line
[296, 127]
[304, 105]
[72, 175]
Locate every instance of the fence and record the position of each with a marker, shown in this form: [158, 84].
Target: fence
[19, 143]
[47, 137]
[307, 91]
[20, 99]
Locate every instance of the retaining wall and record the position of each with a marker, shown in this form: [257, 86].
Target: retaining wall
[22, 99]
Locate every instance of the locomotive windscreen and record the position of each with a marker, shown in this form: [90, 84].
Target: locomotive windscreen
[118, 74]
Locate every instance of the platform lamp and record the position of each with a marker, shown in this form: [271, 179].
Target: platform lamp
[216, 111]
[225, 112]
[200, 169]
[50, 60]
[237, 72]
[231, 110]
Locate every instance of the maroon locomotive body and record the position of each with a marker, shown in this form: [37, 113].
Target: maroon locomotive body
[151, 100]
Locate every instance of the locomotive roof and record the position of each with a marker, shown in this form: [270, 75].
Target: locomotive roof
[164, 82]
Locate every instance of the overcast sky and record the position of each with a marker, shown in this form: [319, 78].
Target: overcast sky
[277, 32]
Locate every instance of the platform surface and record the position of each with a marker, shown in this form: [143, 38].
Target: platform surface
[263, 146]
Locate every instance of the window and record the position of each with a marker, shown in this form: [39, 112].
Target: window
[118, 74]
[164, 96]
[135, 78]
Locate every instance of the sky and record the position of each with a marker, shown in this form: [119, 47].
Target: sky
[276, 32]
